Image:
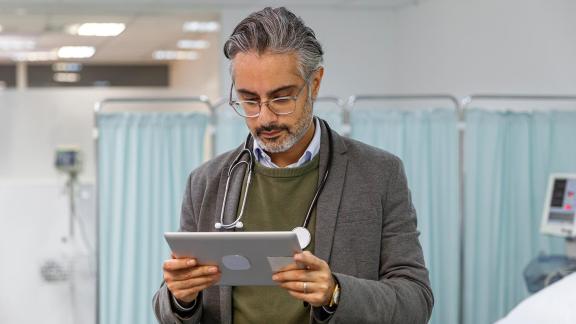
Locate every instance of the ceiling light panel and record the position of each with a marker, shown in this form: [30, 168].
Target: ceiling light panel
[66, 77]
[193, 44]
[201, 26]
[97, 29]
[175, 55]
[76, 52]
[33, 56]
[11, 43]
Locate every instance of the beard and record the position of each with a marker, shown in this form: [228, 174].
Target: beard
[293, 136]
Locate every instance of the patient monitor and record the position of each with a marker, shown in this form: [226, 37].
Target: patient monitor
[559, 218]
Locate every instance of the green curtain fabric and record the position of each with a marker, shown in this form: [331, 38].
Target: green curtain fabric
[143, 163]
[427, 143]
[508, 158]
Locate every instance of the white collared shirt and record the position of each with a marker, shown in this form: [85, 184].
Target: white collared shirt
[311, 151]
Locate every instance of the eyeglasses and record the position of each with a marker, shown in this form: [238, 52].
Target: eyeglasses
[279, 106]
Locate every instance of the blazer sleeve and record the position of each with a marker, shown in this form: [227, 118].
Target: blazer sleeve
[402, 294]
[162, 299]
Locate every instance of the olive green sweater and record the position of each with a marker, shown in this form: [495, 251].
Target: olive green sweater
[278, 201]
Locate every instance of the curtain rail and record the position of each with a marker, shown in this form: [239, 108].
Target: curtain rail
[468, 100]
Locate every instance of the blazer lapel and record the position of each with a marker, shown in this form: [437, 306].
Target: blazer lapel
[329, 200]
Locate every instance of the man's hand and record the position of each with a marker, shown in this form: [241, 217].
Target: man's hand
[308, 279]
[185, 278]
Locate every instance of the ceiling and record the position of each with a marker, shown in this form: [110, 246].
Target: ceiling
[150, 24]
[144, 34]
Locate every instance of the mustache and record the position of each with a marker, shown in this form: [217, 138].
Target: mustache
[271, 128]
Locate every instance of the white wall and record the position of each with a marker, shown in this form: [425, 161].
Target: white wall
[34, 219]
[34, 122]
[358, 46]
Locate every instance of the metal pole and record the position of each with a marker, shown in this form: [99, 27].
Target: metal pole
[462, 209]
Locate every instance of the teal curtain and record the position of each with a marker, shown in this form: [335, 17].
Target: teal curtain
[331, 113]
[508, 158]
[427, 143]
[231, 130]
[143, 163]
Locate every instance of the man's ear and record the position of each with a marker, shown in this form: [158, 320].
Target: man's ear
[316, 81]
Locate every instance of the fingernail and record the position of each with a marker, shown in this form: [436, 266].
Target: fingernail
[212, 269]
[274, 278]
[190, 262]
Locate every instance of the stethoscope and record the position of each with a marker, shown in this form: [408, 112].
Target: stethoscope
[302, 232]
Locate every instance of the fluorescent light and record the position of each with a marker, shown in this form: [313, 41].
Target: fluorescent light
[97, 29]
[77, 52]
[66, 67]
[201, 26]
[11, 43]
[175, 55]
[193, 44]
[33, 56]
[66, 77]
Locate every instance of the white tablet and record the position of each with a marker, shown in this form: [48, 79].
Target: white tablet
[244, 258]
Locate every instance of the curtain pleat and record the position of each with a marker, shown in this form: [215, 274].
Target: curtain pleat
[144, 160]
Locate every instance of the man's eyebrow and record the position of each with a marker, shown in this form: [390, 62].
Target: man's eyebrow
[269, 93]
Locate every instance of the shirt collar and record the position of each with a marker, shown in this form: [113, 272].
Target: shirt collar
[311, 151]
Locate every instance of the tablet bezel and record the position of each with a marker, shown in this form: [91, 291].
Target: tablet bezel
[209, 248]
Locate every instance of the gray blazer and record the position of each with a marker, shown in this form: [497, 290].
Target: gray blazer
[365, 230]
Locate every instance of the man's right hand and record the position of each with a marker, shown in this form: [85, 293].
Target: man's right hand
[185, 278]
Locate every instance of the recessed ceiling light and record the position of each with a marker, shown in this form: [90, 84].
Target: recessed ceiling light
[66, 67]
[97, 29]
[201, 26]
[66, 77]
[77, 52]
[175, 55]
[193, 44]
[11, 43]
[34, 56]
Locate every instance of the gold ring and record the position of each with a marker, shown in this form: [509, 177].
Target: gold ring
[305, 284]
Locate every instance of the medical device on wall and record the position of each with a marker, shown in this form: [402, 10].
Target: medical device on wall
[559, 218]
[68, 160]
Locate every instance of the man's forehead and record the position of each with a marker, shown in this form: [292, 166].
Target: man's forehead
[251, 66]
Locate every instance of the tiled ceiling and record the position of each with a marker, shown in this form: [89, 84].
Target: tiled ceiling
[144, 34]
[150, 24]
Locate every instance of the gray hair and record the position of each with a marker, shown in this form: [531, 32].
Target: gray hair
[280, 31]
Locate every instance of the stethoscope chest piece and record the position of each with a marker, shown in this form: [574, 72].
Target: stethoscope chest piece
[303, 235]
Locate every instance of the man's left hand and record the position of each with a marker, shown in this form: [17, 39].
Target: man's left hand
[308, 279]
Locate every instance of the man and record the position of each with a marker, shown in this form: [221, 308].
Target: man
[365, 263]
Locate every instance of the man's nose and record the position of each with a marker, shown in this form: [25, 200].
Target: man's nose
[266, 114]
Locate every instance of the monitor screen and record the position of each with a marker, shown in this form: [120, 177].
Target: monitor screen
[560, 206]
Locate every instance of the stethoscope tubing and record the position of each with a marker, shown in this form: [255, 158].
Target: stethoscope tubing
[250, 164]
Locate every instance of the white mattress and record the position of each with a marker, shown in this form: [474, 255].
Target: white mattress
[554, 304]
